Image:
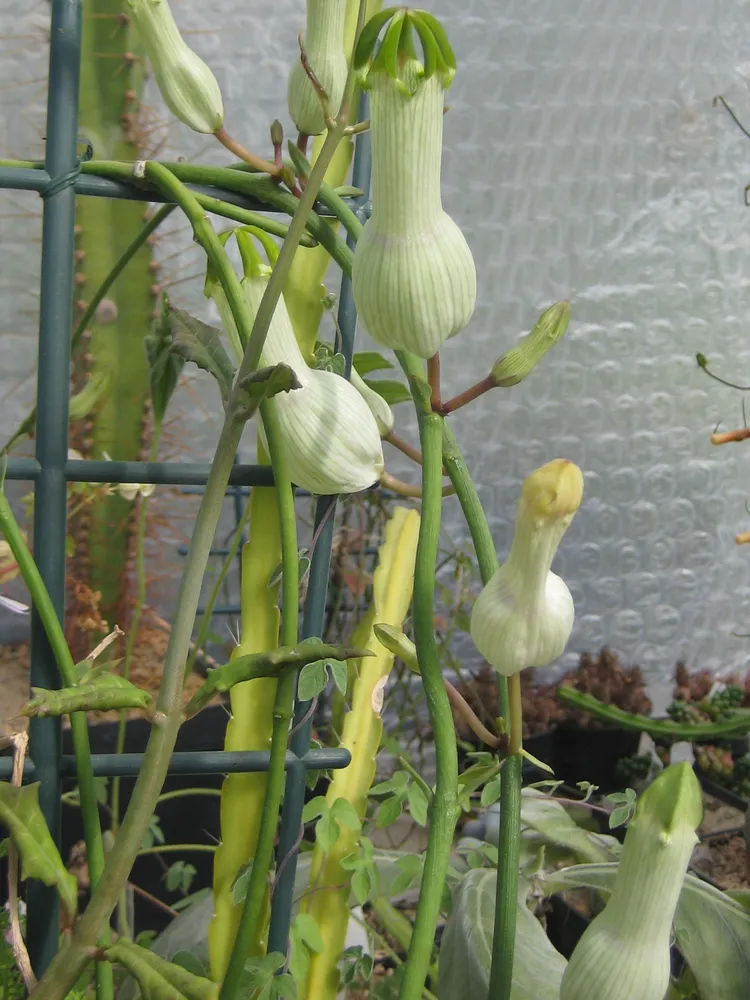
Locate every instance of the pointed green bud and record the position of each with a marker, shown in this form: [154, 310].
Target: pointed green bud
[399, 644]
[84, 401]
[518, 362]
[378, 407]
[624, 954]
[187, 85]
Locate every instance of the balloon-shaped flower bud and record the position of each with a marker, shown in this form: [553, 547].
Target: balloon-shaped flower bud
[324, 51]
[187, 85]
[524, 615]
[519, 361]
[624, 953]
[331, 436]
[414, 279]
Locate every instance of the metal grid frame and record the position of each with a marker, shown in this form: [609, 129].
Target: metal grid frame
[51, 470]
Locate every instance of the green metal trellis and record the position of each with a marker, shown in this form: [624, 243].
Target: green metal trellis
[50, 471]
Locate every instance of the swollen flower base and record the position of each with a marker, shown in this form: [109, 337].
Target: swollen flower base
[624, 952]
[524, 615]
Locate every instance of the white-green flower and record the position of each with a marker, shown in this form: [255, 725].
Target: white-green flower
[624, 954]
[524, 615]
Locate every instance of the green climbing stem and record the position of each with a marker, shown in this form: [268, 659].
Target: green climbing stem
[250, 929]
[508, 860]
[443, 809]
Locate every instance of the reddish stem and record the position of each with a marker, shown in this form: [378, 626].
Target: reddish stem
[433, 377]
[473, 392]
[728, 436]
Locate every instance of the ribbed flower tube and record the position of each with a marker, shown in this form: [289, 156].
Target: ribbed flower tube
[324, 50]
[331, 435]
[624, 952]
[186, 83]
[414, 279]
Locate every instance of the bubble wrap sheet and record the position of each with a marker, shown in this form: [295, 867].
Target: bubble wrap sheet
[583, 160]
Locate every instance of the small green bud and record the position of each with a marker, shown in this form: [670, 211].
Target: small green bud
[277, 132]
[518, 362]
[187, 85]
[399, 644]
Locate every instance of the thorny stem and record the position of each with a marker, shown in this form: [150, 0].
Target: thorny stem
[256, 162]
[29, 422]
[468, 395]
[86, 789]
[69, 963]
[250, 930]
[444, 809]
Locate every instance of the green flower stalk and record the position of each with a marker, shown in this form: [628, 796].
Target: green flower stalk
[414, 279]
[624, 952]
[524, 616]
[362, 731]
[187, 85]
[325, 55]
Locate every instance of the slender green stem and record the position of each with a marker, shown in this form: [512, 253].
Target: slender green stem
[249, 218]
[29, 422]
[416, 776]
[140, 574]
[443, 809]
[92, 831]
[509, 856]
[177, 849]
[737, 725]
[515, 714]
[216, 590]
[250, 930]
[181, 793]
[70, 962]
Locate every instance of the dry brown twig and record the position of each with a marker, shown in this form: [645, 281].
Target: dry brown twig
[20, 743]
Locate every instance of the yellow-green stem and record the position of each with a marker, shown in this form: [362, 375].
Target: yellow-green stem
[250, 929]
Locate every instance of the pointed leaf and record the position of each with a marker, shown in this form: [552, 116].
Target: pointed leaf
[345, 814]
[165, 366]
[21, 815]
[549, 819]
[197, 342]
[466, 947]
[313, 679]
[391, 391]
[268, 382]
[417, 804]
[365, 362]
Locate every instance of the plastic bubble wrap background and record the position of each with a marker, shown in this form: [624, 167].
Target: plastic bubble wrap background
[583, 160]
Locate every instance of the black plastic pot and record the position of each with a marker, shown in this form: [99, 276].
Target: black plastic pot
[582, 754]
[720, 792]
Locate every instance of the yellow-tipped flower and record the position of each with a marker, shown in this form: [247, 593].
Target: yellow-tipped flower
[624, 952]
[524, 615]
[413, 277]
[187, 85]
[324, 50]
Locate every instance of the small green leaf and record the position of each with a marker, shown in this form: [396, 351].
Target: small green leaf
[391, 391]
[314, 808]
[365, 362]
[398, 782]
[390, 810]
[165, 365]
[197, 342]
[361, 885]
[418, 804]
[345, 814]
[327, 831]
[339, 673]
[268, 382]
[307, 929]
[313, 679]
[462, 621]
[491, 791]
[409, 873]
[21, 815]
[239, 889]
[619, 816]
